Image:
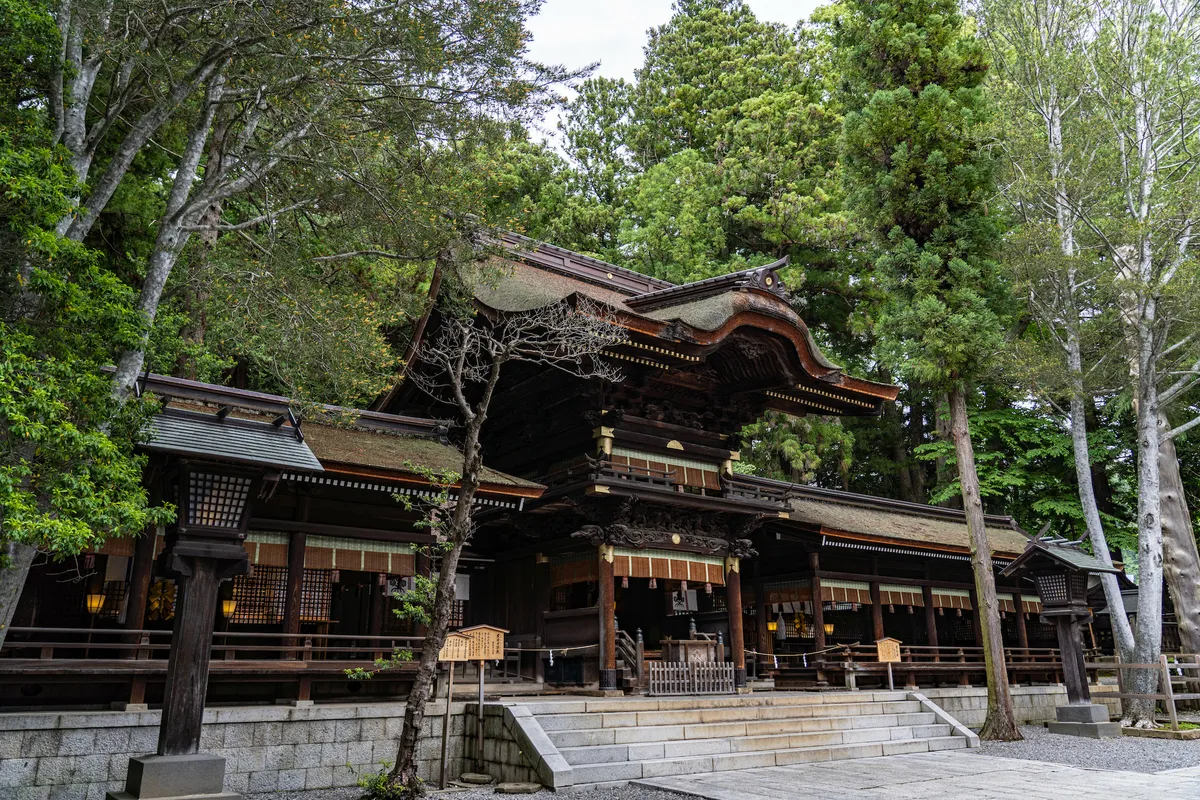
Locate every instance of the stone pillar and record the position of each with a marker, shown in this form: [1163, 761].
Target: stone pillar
[814, 563]
[608, 613]
[293, 591]
[733, 603]
[931, 635]
[876, 611]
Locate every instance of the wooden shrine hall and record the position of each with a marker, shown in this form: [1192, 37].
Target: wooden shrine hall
[616, 541]
[648, 547]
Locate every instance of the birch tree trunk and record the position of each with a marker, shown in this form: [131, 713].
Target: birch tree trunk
[1148, 633]
[1122, 632]
[1181, 561]
[1001, 721]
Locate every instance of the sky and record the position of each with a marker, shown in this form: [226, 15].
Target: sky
[575, 33]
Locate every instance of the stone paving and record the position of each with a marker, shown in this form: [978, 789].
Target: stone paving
[933, 776]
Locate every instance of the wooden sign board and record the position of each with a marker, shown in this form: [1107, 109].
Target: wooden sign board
[457, 647]
[487, 642]
[888, 650]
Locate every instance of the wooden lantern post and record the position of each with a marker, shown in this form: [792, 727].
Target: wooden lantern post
[1059, 569]
[203, 550]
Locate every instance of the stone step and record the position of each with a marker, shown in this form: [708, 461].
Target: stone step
[617, 719]
[633, 732]
[616, 753]
[549, 707]
[609, 772]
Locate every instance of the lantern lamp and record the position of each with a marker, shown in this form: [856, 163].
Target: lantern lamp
[772, 626]
[94, 602]
[228, 607]
[829, 629]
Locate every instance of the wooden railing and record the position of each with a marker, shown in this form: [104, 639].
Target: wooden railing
[682, 677]
[109, 644]
[916, 661]
[1170, 669]
[633, 652]
[734, 488]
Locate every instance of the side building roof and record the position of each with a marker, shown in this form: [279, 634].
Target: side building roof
[207, 420]
[876, 522]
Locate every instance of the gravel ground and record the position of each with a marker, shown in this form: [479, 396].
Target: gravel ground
[1129, 753]
[624, 793]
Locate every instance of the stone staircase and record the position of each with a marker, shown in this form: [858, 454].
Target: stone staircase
[619, 740]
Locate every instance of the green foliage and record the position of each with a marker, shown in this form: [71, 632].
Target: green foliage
[68, 475]
[380, 786]
[791, 448]
[918, 171]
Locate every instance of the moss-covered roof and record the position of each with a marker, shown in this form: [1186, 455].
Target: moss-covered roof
[865, 516]
[385, 451]
[344, 448]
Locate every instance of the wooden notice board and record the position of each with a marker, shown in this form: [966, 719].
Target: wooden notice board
[486, 642]
[457, 647]
[888, 650]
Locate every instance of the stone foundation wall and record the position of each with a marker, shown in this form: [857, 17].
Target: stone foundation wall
[1033, 704]
[81, 755]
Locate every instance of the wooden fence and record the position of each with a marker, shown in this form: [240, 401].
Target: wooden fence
[1171, 670]
[681, 677]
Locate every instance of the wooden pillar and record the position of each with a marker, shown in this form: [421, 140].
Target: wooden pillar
[814, 563]
[1022, 631]
[293, 592]
[876, 610]
[187, 669]
[608, 630]
[976, 628]
[931, 636]
[139, 582]
[733, 603]
[763, 641]
[543, 591]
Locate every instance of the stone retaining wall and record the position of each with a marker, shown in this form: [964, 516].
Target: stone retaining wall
[1033, 704]
[81, 755]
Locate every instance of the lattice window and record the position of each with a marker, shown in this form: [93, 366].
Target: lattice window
[262, 595]
[114, 600]
[562, 599]
[316, 595]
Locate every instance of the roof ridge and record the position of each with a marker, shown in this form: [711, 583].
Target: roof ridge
[594, 270]
[763, 278]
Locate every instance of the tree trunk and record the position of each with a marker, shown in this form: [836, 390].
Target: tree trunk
[1181, 561]
[1122, 632]
[945, 430]
[1001, 721]
[404, 773]
[13, 572]
[1148, 635]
